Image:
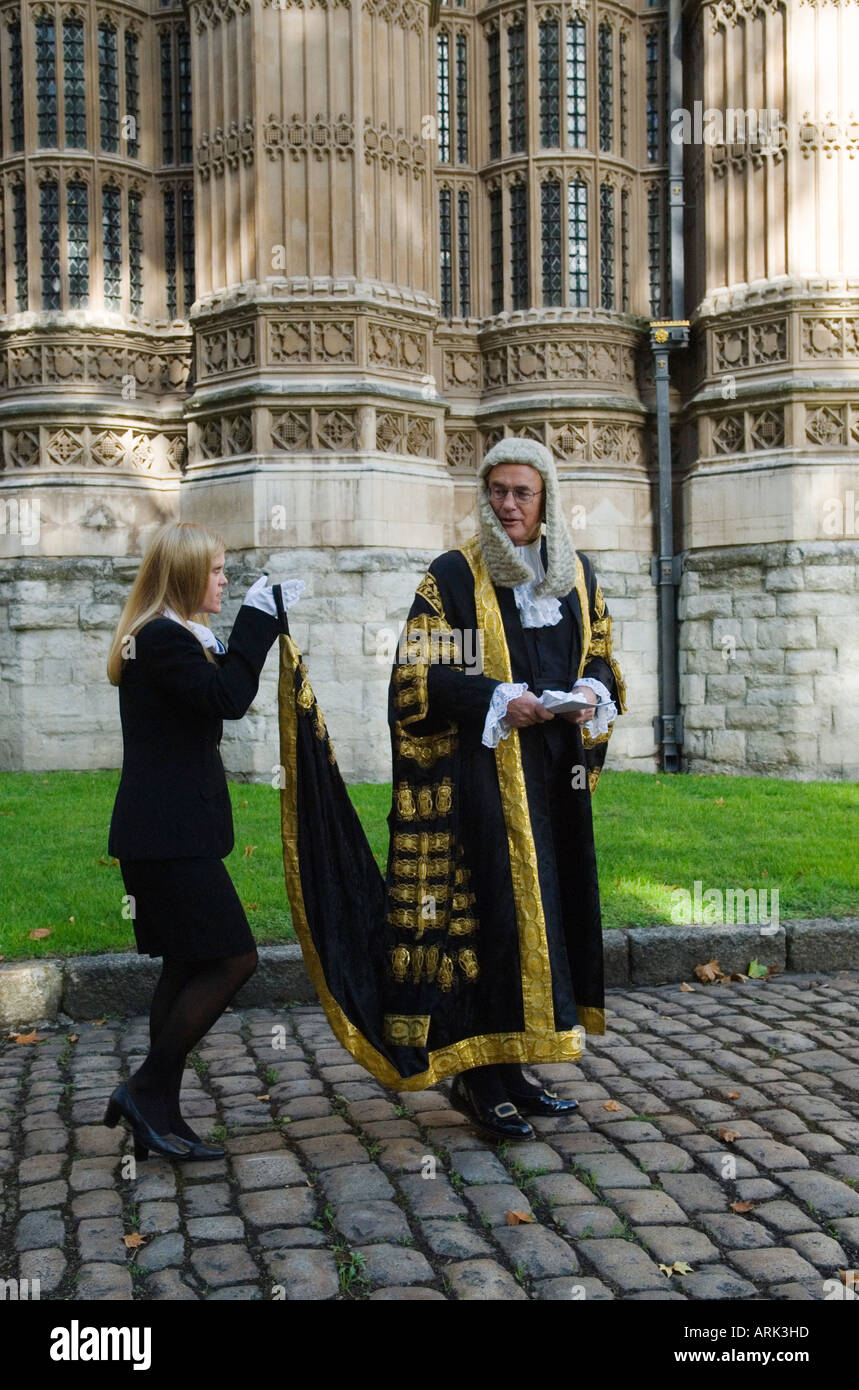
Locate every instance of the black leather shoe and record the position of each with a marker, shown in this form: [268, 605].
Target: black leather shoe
[542, 1103]
[122, 1104]
[497, 1121]
[197, 1150]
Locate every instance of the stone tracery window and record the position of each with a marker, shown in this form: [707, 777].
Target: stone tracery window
[176, 107]
[46, 81]
[49, 240]
[653, 92]
[187, 229]
[577, 125]
[496, 250]
[462, 98]
[550, 217]
[464, 250]
[169, 207]
[74, 83]
[519, 245]
[111, 236]
[606, 246]
[516, 87]
[550, 124]
[493, 60]
[623, 93]
[135, 252]
[577, 241]
[132, 95]
[108, 86]
[624, 250]
[183, 63]
[443, 96]
[605, 86]
[446, 253]
[77, 242]
[19, 244]
[16, 85]
[654, 248]
[167, 134]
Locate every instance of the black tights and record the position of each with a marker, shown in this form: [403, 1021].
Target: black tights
[494, 1084]
[190, 996]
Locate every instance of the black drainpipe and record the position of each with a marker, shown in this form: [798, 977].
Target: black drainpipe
[666, 336]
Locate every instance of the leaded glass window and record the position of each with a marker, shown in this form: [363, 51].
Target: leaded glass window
[519, 244]
[135, 252]
[170, 249]
[623, 84]
[74, 83]
[443, 96]
[496, 251]
[19, 241]
[167, 151]
[462, 99]
[651, 51]
[111, 235]
[606, 246]
[446, 253]
[464, 249]
[46, 81]
[108, 87]
[624, 250]
[577, 241]
[77, 234]
[605, 87]
[49, 237]
[132, 95]
[186, 135]
[550, 88]
[577, 125]
[16, 85]
[550, 218]
[493, 57]
[654, 249]
[516, 86]
[188, 246]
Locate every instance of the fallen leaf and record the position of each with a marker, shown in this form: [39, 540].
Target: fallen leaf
[518, 1218]
[249, 849]
[265, 1097]
[667, 1270]
[250, 907]
[99, 1022]
[612, 1105]
[733, 1095]
[243, 803]
[729, 1135]
[71, 919]
[39, 933]
[742, 1207]
[709, 972]
[134, 1240]
[681, 1267]
[72, 1037]
[738, 977]
[720, 801]
[26, 1037]
[108, 863]
[687, 989]
[757, 971]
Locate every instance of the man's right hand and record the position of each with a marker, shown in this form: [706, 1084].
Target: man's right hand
[526, 709]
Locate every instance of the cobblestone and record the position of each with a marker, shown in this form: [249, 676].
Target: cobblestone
[343, 1202]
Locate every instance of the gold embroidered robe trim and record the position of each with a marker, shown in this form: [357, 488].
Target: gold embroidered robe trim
[477, 1051]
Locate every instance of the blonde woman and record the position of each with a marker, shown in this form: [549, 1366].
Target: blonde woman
[172, 823]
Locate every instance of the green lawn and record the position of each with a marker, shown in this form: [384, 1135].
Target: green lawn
[653, 834]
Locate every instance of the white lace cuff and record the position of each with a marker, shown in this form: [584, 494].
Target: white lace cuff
[533, 611]
[261, 594]
[496, 726]
[604, 716]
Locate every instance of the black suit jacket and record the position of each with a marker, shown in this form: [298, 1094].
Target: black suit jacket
[172, 801]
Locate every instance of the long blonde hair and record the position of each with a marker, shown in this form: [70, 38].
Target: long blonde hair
[174, 574]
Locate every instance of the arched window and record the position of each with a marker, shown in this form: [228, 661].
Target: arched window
[461, 99]
[550, 218]
[519, 244]
[550, 124]
[624, 250]
[170, 249]
[577, 240]
[108, 87]
[493, 60]
[176, 97]
[131, 119]
[135, 253]
[49, 239]
[623, 85]
[496, 250]
[443, 96]
[188, 290]
[516, 126]
[652, 64]
[446, 252]
[464, 249]
[577, 125]
[605, 87]
[19, 242]
[46, 81]
[77, 242]
[186, 134]
[74, 83]
[654, 248]
[111, 236]
[606, 246]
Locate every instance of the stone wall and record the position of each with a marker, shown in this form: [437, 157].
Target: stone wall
[769, 659]
[58, 615]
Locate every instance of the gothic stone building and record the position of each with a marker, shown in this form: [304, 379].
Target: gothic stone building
[289, 267]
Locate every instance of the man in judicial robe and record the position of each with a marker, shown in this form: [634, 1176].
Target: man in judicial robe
[481, 950]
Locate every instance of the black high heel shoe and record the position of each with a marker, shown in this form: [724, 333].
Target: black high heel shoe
[198, 1151]
[121, 1104]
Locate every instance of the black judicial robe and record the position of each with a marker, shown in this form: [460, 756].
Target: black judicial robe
[483, 942]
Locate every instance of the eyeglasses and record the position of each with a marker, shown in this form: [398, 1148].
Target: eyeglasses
[522, 495]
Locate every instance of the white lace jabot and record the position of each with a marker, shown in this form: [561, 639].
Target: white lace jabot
[544, 611]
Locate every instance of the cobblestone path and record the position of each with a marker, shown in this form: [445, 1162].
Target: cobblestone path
[335, 1187]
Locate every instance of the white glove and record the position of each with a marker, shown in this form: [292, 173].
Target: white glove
[261, 594]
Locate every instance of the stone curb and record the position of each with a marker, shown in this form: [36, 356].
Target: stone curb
[121, 982]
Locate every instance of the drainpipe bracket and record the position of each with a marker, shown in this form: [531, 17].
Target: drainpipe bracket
[666, 569]
[668, 729]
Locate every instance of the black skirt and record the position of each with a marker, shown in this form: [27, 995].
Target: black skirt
[185, 908]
